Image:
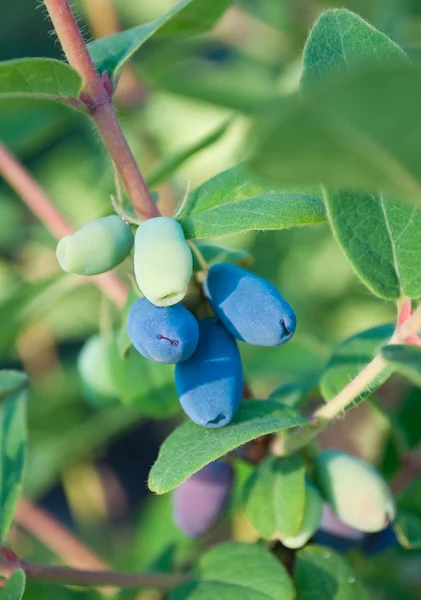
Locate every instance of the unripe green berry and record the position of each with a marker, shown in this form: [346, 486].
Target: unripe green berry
[95, 248]
[356, 492]
[162, 261]
[313, 511]
[98, 383]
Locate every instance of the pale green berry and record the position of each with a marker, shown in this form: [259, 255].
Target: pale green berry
[313, 512]
[95, 248]
[357, 493]
[94, 370]
[162, 261]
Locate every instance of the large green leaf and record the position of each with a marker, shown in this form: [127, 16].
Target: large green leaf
[342, 40]
[231, 202]
[39, 79]
[190, 447]
[380, 237]
[14, 587]
[359, 130]
[405, 359]
[407, 524]
[186, 17]
[321, 574]
[351, 357]
[12, 444]
[274, 497]
[234, 571]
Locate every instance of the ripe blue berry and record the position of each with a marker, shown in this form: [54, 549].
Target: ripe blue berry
[95, 248]
[165, 334]
[200, 500]
[210, 382]
[163, 261]
[250, 307]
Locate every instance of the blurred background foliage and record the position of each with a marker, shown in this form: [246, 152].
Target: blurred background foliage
[88, 463]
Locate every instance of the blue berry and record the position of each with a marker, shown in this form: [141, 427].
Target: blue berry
[250, 307]
[200, 500]
[165, 334]
[210, 383]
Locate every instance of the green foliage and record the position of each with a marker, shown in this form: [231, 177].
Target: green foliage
[407, 525]
[14, 587]
[187, 16]
[12, 442]
[236, 571]
[351, 357]
[231, 202]
[274, 497]
[214, 253]
[405, 359]
[190, 447]
[321, 574]
[38, 79]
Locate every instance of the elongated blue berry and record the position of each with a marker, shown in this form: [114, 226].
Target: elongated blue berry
[95, 248]
[210, 383]
[163, 261]
[165, 334]
[200, 500]
[250, 307]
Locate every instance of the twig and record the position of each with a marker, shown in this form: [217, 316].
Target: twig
[97, 94]
[38, 202]
[67, 576]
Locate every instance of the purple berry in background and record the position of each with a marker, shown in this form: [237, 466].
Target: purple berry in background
[381, 541]
[165, 334]
[210, 383]
[250, 307]
[334, 534]
[200, 500]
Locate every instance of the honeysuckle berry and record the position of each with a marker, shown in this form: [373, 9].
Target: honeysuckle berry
[163, 261]
[95, 248]
[357, 493]
[313, 510]
[98, 384]
[164, 334]
[210, 382]
[250, 307]
[199, 501]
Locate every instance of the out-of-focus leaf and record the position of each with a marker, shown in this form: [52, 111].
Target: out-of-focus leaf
[213, 253]
[274, 497]
[40, 79]
[12, 443]
[190, 447]
[234, 571]
[232, 201]
[321, 574]
[14, 587]
[351, 357]
[294, 393]
[186, 17]
[405, 359]
[173, 162]
[407, 525]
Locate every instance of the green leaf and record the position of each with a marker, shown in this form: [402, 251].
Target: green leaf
[186, 17]
[14, 587]
[231, 202]
[380, 237]
[12, 444]
[321, 574]
[173, 162]
[343, 136]
[190, 447]
[407, 525]
[350, 358]
[39, 79]
[342, 40]
[405, 359]
[295, 394]
[213, 254]
[274, 497]
[234, 571]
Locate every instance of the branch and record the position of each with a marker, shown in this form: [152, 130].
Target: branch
[38, 202]
[329, 411]
[97, 94]
[67, 576]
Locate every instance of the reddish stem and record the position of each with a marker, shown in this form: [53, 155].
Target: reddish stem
[102, 111]
[38, 202]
